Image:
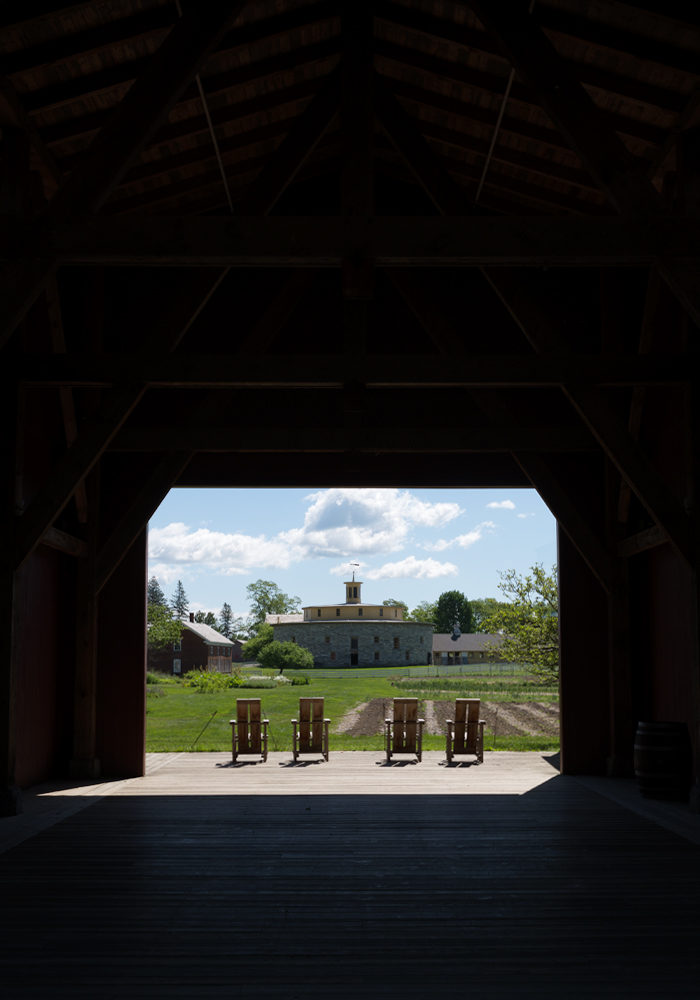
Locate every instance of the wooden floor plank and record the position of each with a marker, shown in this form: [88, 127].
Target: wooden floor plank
[205, 879]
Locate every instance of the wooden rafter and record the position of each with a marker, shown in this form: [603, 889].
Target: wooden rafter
[574, 113]
[134, 121]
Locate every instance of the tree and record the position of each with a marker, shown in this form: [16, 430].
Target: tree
[206, 618]
[226, 620]
[254, 646]
[482, 609]
[452, 606]
[286, 654]
[267, 599]
[424, 612]
[163, 628]
[154, 594]
[391, 602]
[530, 620]
[179, 602]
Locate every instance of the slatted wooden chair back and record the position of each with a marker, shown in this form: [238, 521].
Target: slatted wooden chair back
[249, 728]
[310, 730]
[465, 734]
[405, 725]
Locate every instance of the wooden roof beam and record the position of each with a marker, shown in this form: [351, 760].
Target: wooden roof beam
[196, 370]
[392, 241]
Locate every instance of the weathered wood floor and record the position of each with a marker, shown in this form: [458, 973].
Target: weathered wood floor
[270, 880]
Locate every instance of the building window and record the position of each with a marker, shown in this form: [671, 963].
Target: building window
[359, 612]
[376, 638]
[328, 638]
[177, 646]
[354, 591]
[408, 653]
[421, 640]
[396, 642]
[177, 666]
[381, 612]
[337, 612]
[332, 656]
[294, 638]
[353, 644]
[376, 656]
[318, 612]
[396, 613]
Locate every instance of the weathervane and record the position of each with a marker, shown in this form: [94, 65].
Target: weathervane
[353, 572]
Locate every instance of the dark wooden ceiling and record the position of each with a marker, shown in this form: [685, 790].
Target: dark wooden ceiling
[401, 242]
[67, 68]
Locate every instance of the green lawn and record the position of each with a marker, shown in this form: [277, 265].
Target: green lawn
[182, 719]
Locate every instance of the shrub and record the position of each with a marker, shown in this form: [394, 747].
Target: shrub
[207, 682]
[300, 679]
[285, 654]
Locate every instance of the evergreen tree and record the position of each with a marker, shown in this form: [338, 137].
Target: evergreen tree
[226, 620]
[206, 618]
[179, 602]
[154, 593]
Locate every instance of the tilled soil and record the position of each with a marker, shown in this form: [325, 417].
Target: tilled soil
[505, 718]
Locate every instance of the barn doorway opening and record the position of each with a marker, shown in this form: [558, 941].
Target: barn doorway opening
[226, 558]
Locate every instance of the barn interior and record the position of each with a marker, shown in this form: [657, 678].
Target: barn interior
[315, 243]
[443, 243]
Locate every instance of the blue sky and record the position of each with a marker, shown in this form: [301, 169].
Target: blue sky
[411, 544]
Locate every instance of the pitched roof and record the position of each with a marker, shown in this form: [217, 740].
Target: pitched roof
[208, 634]
[283, 619]
[468, 642]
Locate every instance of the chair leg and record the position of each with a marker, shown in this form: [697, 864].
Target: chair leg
[419, 740]
[388, 739]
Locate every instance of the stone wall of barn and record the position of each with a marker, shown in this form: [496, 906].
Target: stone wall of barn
[361, 643]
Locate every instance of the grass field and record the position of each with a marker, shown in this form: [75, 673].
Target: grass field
[182, 719]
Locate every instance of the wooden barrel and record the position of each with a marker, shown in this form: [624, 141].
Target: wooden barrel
[663, 760]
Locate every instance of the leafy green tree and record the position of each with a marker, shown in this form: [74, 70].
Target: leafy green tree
[530, 620]
[163, 628]
[226, 620]
[254, 646]
[266, 598]
[179, 602]
[154, 594]
[452, 606]
[482, 609]
[205, 618]
[391, 602]
[424, 612]
[285, 654]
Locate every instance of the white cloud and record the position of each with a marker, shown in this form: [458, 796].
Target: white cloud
[338, 522]
[501, 505]
[524, 516]
[177, 546]
[464, 541]
[347, 522]
[412, 568]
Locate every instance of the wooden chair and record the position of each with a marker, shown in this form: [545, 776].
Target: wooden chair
[465, 733]
[310, 730]
[404, 733]
[249, 732]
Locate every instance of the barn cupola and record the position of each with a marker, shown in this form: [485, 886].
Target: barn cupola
[353, 591]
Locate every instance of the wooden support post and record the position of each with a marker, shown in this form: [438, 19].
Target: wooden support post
[84, 762]
[622, 721]
[357, 183]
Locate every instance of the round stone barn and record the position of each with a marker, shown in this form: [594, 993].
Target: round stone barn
[355, 634]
